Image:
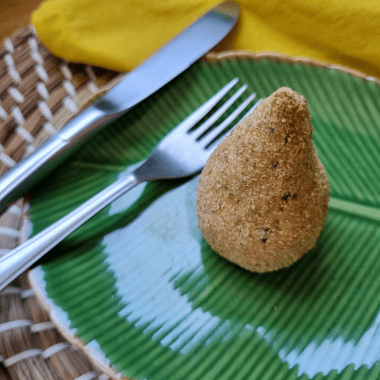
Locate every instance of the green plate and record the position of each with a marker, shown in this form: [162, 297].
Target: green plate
[144, 294]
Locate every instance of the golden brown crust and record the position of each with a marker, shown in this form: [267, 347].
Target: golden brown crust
[262, 196]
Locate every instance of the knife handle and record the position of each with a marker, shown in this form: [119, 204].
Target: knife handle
[18, 180]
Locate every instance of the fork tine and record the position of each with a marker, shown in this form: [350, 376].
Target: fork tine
[216, 115]
[209, 138]
[252, 108]
[204, 109]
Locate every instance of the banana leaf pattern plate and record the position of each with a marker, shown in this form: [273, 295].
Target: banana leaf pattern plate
[144, 295]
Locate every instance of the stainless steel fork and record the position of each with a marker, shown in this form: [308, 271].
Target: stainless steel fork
[183, 152]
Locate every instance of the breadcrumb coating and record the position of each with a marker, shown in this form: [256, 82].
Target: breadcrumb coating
[262, 196]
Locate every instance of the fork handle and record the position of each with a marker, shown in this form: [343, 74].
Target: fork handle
[19, 259]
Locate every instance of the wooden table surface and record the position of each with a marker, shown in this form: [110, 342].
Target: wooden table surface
[15, 14]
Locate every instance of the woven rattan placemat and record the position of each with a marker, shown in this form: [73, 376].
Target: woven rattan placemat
[38, 94]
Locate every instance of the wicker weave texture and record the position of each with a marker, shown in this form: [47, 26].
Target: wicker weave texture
[38, 95]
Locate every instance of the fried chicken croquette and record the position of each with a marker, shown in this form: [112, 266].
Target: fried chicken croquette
[262, 196]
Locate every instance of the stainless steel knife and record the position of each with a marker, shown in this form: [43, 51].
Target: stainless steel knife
[159, 69]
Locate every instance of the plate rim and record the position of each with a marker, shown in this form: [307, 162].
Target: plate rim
[34, 274]
[243, 54]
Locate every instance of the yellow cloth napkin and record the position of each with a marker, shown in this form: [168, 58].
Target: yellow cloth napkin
[119, 34]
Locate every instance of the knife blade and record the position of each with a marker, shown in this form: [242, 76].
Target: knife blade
[159, 69]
